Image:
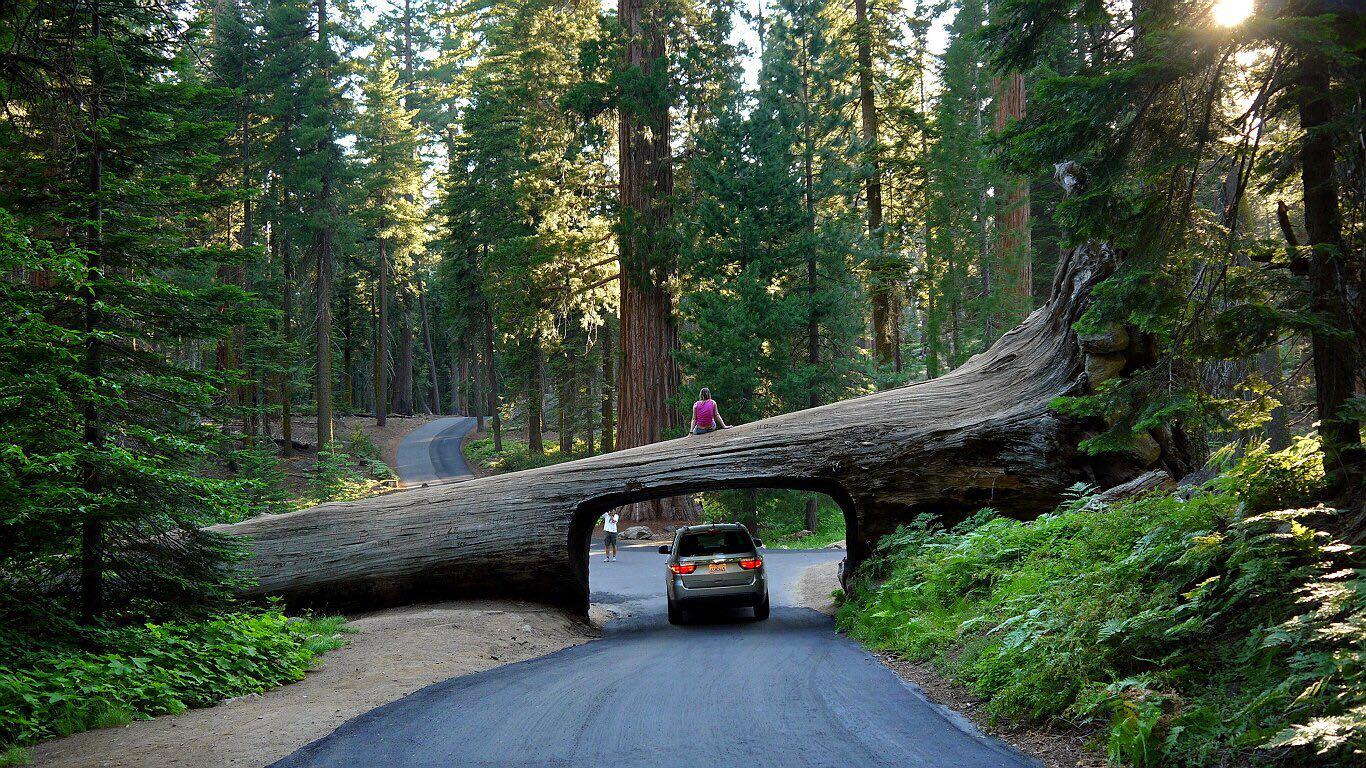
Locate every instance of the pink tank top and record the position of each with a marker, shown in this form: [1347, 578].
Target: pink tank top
[704, 412]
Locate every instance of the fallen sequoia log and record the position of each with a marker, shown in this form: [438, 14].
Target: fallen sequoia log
[980, 436]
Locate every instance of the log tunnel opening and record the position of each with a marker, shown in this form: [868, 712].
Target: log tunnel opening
[587, 514]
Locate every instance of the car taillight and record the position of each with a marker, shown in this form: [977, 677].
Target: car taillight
[683, 568]
[750, 565]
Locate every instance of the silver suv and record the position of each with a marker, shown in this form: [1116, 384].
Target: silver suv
[715, 565]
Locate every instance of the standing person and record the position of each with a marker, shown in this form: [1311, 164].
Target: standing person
[705, 417]
[609, 535]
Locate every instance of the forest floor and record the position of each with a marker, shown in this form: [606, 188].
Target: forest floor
[393, 653]
[1051, 747]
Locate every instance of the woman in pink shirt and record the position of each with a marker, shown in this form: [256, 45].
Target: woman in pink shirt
[705, 417]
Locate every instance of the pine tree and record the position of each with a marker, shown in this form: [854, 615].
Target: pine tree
[387, 141]
[109, 433]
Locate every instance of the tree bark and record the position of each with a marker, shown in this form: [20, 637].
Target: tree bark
[883, 274]
[403, 376]
[813, 328]
[1331, 271]
[649, 375]
[983, 435]
[749, 509]
[427, 342]
[1016, 272]
[325, 262]
[491, 362]
[93, 433]
[287, 332]
[535, 399]
[566, 402]
[348, 354]
[458, 373]
[608, 382]
[382, 334]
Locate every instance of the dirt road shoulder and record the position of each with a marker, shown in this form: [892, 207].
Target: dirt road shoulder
[393, 654]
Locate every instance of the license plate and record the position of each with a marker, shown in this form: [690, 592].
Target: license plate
[716, 567]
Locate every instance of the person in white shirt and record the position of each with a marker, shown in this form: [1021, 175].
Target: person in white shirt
[609, 535]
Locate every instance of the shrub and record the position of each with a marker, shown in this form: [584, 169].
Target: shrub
[781, 516]
[1201, 630]
[515, 456]
[337, 476]
[109, 676]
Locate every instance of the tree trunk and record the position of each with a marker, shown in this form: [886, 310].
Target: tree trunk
[382, 334]
[1014, 260]
[749, 509]
[287, 332]
[323, 244]
[247, 240]
[566, 398]
[883, 273]
[458, 372]
[492, 364]
[649, 375]
[1331, 270]
[478, 401]
[608, 384]
[813, 329]
[92, 522]
[427, 342]
[984, 434]
[403, 384]
[348, 356]
[813, 505]
[535, 399]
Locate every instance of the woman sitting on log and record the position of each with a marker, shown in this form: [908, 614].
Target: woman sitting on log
[705, 417]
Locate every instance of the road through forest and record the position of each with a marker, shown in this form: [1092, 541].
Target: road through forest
[726, 691]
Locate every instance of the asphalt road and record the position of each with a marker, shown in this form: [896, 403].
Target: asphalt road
[431, 454]
[727, 691]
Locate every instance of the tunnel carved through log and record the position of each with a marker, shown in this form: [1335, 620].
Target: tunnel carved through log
[981, 436]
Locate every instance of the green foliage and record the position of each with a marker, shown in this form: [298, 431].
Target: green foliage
[14, 757]
[1201, 630]
[769, 242]
[260, 480]
[110, 298]
[338, 476]
[781, 514]
[515, 455]
[100, 677]
[1267, 480]
[362, 446]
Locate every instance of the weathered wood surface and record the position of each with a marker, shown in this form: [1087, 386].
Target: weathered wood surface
[982, 435]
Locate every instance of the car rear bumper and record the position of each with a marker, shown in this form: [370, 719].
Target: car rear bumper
[749, 594]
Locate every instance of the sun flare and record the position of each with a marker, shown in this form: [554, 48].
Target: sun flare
[1228, 13]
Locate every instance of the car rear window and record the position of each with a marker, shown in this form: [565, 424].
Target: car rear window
[714, 543]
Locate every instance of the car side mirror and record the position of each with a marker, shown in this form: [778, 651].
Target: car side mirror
[665, 549]
[758, 543]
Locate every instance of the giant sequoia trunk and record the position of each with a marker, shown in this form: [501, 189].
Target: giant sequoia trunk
[983, 435]
[1016, 273]
[648, 377]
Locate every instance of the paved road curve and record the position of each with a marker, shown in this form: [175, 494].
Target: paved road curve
[432, 454]
[727, 692]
